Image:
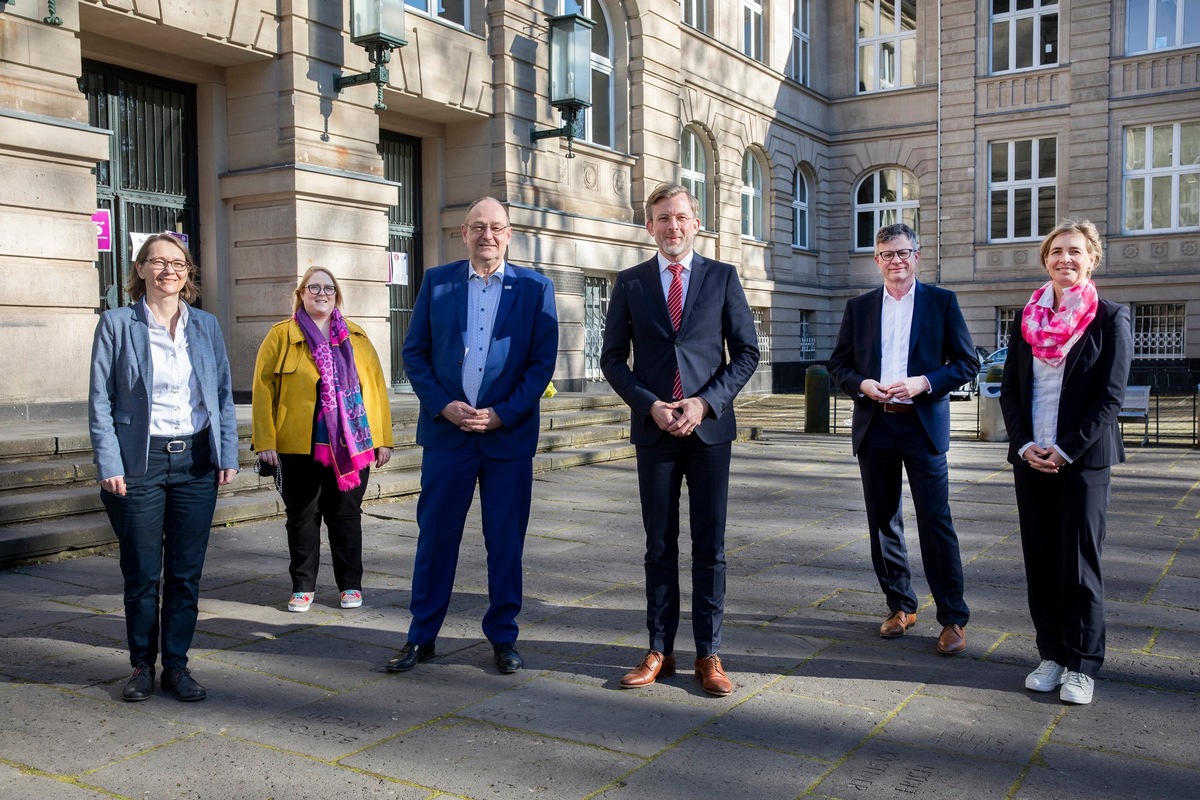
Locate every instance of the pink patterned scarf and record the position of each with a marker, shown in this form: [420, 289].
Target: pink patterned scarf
[1052, 332]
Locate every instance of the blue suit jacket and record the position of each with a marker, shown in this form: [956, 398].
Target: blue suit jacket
[1093, 389]
[715, 316]
[122, 377]
[520, 362]
[940, 348]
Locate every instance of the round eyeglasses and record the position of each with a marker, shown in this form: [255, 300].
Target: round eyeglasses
[317, 289]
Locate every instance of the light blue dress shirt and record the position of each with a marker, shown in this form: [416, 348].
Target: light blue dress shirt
[483, 298]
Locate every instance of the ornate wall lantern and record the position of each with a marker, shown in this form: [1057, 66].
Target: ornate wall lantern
[377, 26]
[570, 76]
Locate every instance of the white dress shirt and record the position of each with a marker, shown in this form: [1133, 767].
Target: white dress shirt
[665, 274]
[176, 405]
[895, 326]
[1047, 393]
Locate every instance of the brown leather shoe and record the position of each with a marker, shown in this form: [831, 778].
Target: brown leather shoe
[712, 676]
[953, 640]
[896, 624]
[655, 665]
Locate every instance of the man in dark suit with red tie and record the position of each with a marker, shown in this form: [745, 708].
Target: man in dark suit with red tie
[680, 313]
[901, 349]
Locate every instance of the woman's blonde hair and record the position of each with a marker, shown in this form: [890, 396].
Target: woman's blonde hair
[135, 284]
[298, 294]
[1085, 229]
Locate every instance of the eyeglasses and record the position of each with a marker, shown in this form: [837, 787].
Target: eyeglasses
[682, 220]
[478, 228]
[159, 264]
[892, 255]
[318, 289]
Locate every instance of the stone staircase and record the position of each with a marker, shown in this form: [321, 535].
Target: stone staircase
[50, 502]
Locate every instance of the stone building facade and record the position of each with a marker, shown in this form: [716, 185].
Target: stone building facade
[803, 125]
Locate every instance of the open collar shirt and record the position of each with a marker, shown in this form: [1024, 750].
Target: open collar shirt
[483, 299]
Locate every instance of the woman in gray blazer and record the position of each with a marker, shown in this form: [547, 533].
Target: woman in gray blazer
[1064, 382]
[164, 435]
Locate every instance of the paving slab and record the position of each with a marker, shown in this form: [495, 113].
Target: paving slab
[887, 770]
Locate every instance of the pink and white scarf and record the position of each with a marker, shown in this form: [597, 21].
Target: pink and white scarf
[1052, 332]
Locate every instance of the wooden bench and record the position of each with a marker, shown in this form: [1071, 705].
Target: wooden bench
[1137, 407]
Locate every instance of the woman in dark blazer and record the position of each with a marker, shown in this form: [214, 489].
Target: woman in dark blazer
[164, 435]
[1064, 382]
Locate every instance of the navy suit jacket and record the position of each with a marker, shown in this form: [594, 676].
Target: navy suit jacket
[122, 377]
[939, 347]
[715, 316]
[1096, 371]
[520, 362]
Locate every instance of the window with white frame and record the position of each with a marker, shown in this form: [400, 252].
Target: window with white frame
[1007, 318]
[808, 342]
[885, 197]
[693, 171]
[887, 44]
[1162, 177]
[752, 196]
[456, 11]
[1022, 188]
[798, 59]
[752, 29]
[762, 330]
[598, 121]
[1161, 25]
[695, 14]
[1158, 329]
[799, 209]
[1024, 34]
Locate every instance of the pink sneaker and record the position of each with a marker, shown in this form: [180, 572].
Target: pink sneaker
[301, 601]
[351, 598]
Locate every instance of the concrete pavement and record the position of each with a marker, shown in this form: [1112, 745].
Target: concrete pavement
[299, 705]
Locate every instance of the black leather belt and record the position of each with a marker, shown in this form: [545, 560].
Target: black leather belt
[897, 408]
[175, 444]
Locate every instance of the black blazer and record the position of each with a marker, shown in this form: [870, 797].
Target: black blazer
[715, 316]
[939, 347]
[1097, 369]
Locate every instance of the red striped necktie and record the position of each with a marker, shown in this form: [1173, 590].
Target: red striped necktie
[675, 309]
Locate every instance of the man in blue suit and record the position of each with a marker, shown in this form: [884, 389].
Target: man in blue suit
[900, 351]
[680, 313]
[480, 351]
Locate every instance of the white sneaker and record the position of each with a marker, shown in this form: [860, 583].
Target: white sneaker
[1046, 678]
[1077, 688]
[301, 601]
[351, 598]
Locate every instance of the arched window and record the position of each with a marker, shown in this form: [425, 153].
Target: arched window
[752, 196]
[693, 170]
[883, 198]
[799, 209]
[598, 120]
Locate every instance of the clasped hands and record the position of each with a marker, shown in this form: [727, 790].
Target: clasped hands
[467, 418]
[903, 389]
[680, 417]
[1043, 459]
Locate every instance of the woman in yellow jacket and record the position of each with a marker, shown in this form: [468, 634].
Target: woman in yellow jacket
[321, 417]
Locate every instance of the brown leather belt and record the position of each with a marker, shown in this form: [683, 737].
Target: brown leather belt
[897, 408]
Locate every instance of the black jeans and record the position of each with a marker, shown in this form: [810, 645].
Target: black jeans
[162, 524]
[310, 494]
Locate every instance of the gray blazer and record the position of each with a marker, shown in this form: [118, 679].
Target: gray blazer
[121, 380]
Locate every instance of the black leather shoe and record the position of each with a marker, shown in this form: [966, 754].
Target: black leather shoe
[179, 681]
[409, 656]
[140, 686]
[508, 660]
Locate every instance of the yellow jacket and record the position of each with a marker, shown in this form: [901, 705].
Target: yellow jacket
[285, 390]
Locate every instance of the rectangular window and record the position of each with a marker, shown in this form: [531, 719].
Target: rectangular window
[1161, 25]
[752, 29]
[887, 44]
[695, 14]
[1158, 330]
[762, 327]
[801, 41]
[1006, 321]
[1162, 177]
[455, 11]
[808, 342]
[1024, 34]
[1022, 188]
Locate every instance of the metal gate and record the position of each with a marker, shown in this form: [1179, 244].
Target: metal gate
[402, 163]
[148, 184]
[595, 308]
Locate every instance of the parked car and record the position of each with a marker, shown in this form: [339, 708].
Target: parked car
[990, 361]
[971, 387]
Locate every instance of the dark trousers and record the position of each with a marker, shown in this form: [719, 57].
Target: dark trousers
[448, 479]
[1062, 531]
[897, 443]
[162, 525]
[311, 494]
[662, 469]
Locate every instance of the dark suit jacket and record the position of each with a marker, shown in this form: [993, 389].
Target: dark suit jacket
[940, 348]
[1097, 369]
[715, 315]
[520, 360]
